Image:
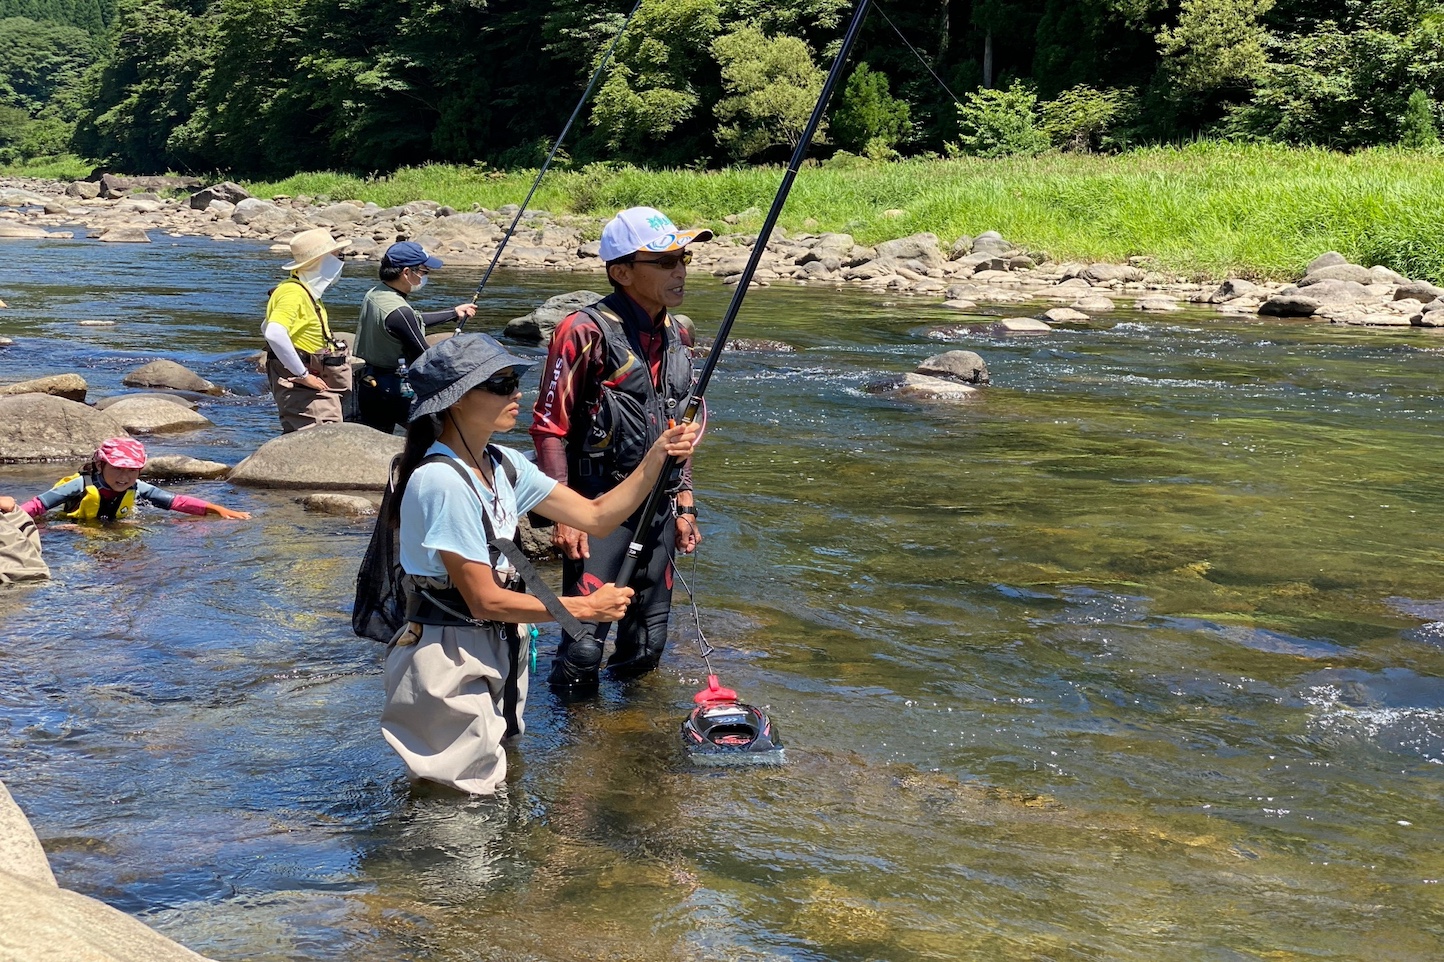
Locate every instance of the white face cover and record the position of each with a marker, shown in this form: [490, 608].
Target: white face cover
[322, 274]
[420, 283]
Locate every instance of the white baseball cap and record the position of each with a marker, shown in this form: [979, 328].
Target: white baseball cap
[645, 229]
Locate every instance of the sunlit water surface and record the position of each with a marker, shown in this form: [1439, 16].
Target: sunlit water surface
[1135, 657]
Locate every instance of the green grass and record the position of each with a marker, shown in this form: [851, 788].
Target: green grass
[62, 167]
[1208, 209]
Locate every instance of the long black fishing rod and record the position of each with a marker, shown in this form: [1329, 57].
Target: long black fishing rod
[759, 247]
[576, 112]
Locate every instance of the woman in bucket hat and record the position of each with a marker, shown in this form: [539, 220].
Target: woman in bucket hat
[458, 671]
[308, 368]
[108, 487]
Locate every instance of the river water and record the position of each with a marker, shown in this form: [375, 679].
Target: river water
[1135, 657]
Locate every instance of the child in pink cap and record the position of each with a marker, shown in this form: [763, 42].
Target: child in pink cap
[108, 486]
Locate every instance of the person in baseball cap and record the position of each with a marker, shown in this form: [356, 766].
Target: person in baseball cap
[638, 229]
[591, 442]
[391, 334]
[108, 487]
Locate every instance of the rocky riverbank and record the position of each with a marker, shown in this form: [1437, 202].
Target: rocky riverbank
[967, 273]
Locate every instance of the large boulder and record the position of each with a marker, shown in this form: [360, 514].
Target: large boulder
[1232, 289]
[329, 457]
[1328, 259]
[1338, 272]
[1421, 291]
[168, 374]
[964, 367]
[537, 326]
[226, 192]
[39, 427]
[916, 247]
[1289, 305]
[72, 387]
[39, 920]
[84, 189]
[154, 414]
[1111, 273]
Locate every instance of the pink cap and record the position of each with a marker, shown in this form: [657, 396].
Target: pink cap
[122, 453]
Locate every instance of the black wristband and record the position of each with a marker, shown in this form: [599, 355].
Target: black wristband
[683, 509]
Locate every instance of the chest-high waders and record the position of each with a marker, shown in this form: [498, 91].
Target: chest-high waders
[627, 416]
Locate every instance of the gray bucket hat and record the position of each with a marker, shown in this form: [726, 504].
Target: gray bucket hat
[449, 369]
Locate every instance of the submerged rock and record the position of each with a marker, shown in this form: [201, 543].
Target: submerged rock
[43, 921]
[1065, 315]
[39, 427]
[331, 456]
[175, 467]
[341, 505]
[964, 367]
[1020, 325]
[921, 386]
[169, 374]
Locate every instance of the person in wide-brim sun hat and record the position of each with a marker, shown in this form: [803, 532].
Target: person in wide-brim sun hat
[308, 368]
[457, 673]
[310, 246]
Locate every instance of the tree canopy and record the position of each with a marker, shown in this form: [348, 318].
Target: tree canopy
[265, 87]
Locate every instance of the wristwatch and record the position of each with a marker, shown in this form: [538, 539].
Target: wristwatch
[683, 509]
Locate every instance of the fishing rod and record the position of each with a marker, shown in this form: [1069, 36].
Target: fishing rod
[586, 95]
[759, 247]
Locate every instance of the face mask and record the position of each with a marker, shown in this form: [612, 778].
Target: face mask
[420, 283]
[322, 275]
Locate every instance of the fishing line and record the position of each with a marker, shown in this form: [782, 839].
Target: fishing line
[703, 645]
[956, 98]
[546, 165]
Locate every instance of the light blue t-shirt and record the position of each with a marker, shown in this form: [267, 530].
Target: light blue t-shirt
[440, 511]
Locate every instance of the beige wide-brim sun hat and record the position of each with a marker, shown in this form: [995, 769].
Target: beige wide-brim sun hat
[312, 245]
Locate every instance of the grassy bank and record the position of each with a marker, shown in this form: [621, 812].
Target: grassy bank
[1208, 209]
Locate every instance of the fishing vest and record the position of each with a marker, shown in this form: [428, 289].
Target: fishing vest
[89, 507]
[374, 344]
[629, 412]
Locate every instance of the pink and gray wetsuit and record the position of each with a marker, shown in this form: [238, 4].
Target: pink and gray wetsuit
[68, 496]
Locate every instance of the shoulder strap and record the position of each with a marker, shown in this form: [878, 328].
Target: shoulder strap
[507, 468]
[468, 479]
[316, 306]
[513, 553]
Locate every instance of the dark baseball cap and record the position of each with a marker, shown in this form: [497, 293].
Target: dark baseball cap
[410, 254]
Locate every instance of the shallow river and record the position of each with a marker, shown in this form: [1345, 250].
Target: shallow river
[1134, 658]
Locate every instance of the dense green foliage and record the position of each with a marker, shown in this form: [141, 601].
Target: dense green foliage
[264, 87]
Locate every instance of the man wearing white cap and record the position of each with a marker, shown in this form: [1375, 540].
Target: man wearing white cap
[616, 373]
[309, 369]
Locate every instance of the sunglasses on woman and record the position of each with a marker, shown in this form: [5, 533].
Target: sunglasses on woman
[667, 261]
[504, 385]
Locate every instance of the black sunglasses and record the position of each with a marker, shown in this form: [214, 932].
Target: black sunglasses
[503, 385]
[667, 261]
